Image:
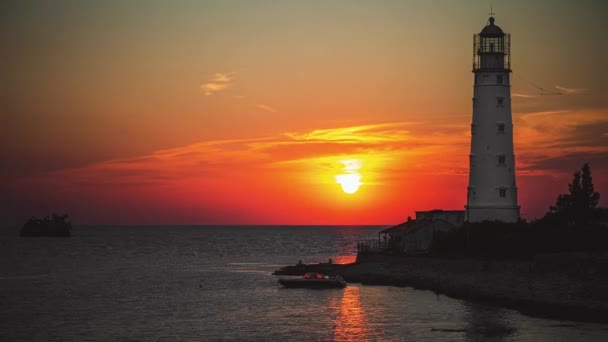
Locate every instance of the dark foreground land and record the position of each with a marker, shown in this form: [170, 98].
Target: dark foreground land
[571, 286]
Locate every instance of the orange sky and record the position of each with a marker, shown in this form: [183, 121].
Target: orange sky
[248, 112]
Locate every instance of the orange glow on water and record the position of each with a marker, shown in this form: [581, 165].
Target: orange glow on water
[350, 322]
[344, 259]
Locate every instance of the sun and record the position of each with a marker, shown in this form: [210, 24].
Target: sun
[350, 182]
[350, 179]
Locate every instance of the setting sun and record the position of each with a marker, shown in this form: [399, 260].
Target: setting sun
[350, 180]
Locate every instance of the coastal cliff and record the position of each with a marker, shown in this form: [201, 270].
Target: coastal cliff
[572, 286]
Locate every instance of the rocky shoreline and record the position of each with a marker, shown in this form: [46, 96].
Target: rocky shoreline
[572, 286]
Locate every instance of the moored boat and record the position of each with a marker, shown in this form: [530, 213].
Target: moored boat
[314, 280]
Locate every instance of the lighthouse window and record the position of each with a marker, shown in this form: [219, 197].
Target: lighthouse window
[501, 159]
[501, 128]
[502, 193]
[500, 101]
[499, 79]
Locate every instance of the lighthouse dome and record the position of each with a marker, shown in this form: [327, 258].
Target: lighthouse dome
[491, 30]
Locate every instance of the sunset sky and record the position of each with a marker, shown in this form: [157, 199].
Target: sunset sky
[265, 112]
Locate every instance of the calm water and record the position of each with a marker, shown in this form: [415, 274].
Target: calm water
[214, 283]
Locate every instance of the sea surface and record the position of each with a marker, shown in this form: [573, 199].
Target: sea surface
[201, 283]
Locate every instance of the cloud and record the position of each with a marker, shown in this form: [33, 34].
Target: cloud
[571, 91]
[374, 133]
[388, 146]
[413, 156]
[222, 78]
[219, 82]
[524, 96]
[542, 138]
[265, 108]
[393, 149]
[544, 113]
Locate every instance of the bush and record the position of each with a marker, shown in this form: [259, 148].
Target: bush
[519, 240]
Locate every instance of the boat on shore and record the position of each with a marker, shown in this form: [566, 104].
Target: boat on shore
[314, 280]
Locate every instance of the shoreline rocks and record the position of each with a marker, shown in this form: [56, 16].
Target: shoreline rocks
[576, 290]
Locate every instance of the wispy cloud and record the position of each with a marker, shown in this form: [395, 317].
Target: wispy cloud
[542, 138]
[397, 155]
[388, 143]
[265, 108]
[571, 91]
[524, 96]
[219, 82]
[365, 133]
[545, 113]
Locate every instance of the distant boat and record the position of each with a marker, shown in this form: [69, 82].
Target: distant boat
[314, 280]
[56, 226]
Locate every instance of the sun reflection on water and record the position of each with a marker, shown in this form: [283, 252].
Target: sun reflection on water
[344, 259]
[349, 322]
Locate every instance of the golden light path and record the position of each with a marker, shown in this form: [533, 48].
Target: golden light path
[349, 324]
[350, 180]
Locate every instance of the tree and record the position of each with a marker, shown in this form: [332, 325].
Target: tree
[579, 205]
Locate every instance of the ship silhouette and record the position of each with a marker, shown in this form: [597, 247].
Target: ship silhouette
[57, 225]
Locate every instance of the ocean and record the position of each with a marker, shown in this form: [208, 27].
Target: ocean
[204, 283]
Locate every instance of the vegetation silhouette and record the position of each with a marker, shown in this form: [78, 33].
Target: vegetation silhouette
[574, 224]
[579, 206]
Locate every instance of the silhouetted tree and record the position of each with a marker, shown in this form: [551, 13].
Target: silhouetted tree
[579, 205]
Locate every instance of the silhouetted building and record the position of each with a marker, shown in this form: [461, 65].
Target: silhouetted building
[454, 217]
[415, 235]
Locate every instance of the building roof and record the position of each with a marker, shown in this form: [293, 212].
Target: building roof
[491, 30]
[436, 223]
[437, 211]
[398, 227]
[412, 225]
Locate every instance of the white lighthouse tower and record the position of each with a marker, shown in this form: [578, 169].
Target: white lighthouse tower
[492, 193]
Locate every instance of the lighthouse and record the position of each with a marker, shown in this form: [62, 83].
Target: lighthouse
[492, 191]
